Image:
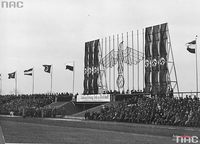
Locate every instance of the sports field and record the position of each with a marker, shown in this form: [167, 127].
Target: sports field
[34, 130]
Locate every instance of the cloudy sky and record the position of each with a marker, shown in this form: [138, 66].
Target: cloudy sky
[54, 32]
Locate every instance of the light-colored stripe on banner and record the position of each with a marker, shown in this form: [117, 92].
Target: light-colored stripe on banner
[2, 140]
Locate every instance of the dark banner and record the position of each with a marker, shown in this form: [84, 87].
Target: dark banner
[91, 65]
[91, 69]
[155, 59]
[96, 66]
[157, 79]
[148, 42]
[86, 68]
[163, 59]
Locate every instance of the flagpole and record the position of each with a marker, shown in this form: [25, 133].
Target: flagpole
[51, 77]
[73, 75]
[16, 83]
[196, 67]
[138, 73]
[33, 82]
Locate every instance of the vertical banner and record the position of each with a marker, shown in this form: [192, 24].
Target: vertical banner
[163, 59]
[155, 58]
[91, 49]
[96, 66]
[86, 68]
[91, 69]
[148, 42]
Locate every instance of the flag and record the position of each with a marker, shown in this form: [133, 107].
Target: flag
[47, 68]
[192, 42]
[191, 46]
[28, 72]
[69, 67]
[11, 75]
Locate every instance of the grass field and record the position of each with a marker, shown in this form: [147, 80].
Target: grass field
[33, 130]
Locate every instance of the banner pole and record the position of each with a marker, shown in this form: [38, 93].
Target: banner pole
[138, 74]
[16, 84]
[143, 47]
[114, 65]
[127, 64]
[73, 76]
[118, 58]
[109, 67]
[196, 67]
[51, 77]
[133, 60]
[105, 52]
[33, 82]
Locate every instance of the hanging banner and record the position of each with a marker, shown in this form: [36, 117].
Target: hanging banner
[163, 59]
[91, 65]
[86, 68]
[96, 66]
[91, 69]
[155, 59]
[148, 42]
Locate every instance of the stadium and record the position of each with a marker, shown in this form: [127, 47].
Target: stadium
[127, 92]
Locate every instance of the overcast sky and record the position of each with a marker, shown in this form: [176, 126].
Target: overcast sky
[54, 32]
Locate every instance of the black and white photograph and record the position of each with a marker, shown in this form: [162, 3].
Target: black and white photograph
[99, 72]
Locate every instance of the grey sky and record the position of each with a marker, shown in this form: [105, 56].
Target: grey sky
[54, 32]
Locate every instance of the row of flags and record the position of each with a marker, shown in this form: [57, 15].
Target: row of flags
[47, 68]
[29, 72]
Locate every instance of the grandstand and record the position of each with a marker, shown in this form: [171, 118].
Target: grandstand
[137, 119]
[136, 108]
[150, 111]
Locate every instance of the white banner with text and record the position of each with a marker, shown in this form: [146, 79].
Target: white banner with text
[93, 98]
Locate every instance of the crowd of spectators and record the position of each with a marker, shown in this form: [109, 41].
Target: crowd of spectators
[30, 105]
[177, 111]
[151, 110]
